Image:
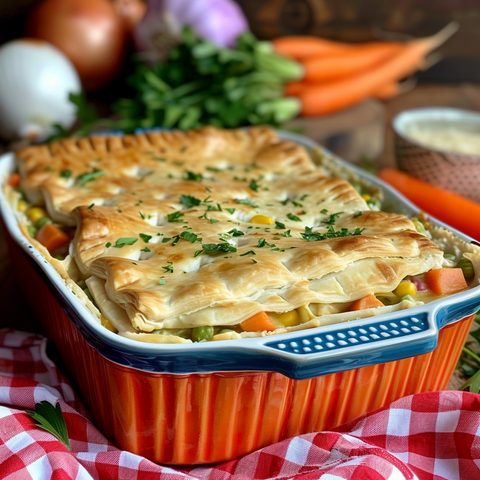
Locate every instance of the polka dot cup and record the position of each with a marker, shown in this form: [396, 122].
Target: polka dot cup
[428, 146]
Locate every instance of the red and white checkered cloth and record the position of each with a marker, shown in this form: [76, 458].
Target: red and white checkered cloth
[431, 436]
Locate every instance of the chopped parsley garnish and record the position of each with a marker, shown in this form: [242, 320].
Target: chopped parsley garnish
[108, 245]
[65, 173]
[303, 197]
[86, 177]
[144, 237]
[293, 217]
[286, 234]
[175, 217]
[162, 281]
[166, 239]
[235, 233]
[253, 185]
[214, 220]
[332, 219]
[194, 177]
[246, 201]
[249, 253]
[312, 236]
[189, 201]
[358, 214]
[91, 206]
[263, 243]
[139, 203]
[168, 268]
[121, 242]
[146, 249]
[231, 211]
[189, 236]
[213, 169]
[215, 248]
[280, 225]
[324, 211]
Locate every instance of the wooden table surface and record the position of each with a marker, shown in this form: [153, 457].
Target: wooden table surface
[16, 315]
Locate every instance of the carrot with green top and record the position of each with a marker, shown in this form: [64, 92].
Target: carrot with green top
[445, 281]
[258, 323]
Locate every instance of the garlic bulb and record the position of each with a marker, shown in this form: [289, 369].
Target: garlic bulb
[35, 82]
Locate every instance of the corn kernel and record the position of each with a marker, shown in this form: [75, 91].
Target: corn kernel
[261, 219]
[366, 197]
[404, 289]
[107, 324]
[22, 206]
[36, 213]
[289, 319]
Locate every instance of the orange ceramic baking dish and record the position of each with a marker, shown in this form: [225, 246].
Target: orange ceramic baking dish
[200, 404]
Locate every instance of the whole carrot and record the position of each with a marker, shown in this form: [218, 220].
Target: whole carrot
[352, 62]
[302, 47]
[322, 99]
[456, 211]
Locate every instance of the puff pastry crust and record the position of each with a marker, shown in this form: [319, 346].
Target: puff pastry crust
[163, 226]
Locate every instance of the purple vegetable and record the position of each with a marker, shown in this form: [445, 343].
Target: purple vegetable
[220, 21]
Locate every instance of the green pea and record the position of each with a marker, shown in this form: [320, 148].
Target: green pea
[408, 298]
[202, 333]
[42, 221]
[374, 202]
[419, 227]
[226, 330]
[32, 231]
[467, 268]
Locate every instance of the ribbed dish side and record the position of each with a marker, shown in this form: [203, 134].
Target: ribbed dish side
[206, 418]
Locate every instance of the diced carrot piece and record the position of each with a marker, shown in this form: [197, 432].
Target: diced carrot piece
[14, 179]
[370, 301]
[258, 323]
[51, 237]
[445, 281]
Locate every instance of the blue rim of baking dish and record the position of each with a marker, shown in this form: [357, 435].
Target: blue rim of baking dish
[298, 355]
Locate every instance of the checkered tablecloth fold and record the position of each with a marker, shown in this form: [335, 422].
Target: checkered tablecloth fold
[430, 436]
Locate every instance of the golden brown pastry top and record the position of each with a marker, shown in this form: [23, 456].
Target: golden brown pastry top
[165, 219]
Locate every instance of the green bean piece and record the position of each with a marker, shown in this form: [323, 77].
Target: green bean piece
[202, 333]
[42, 221]
[467, 268]
[88, 294]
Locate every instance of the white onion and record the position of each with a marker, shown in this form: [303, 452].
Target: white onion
[35, 82]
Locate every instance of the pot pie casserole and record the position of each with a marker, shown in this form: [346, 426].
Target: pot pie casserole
[177, 237]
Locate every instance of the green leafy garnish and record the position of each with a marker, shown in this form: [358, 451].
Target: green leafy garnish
[175, 217]
[91, 206]
[263, 243]
[332, 219]
[280, 226]
[169, 267]
[146, 238]
[254, 185]
[312, 236]
[249, 253]
[189, 201]
[146, 249]
[65, 173]
[246, 201]
[189, 236]
[50, 418]
[293, 217]
[121, 242]
[215, 248]
[194, 177]
[231, 211]
[235, 233]
[87, 177]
